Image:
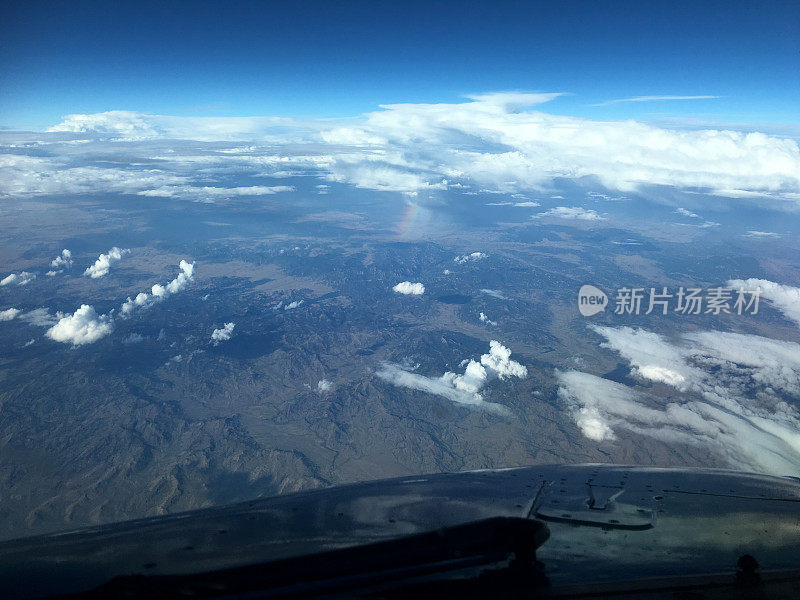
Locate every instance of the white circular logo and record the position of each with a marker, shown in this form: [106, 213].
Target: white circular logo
[591, 300]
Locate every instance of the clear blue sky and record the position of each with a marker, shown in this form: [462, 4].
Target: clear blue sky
[330, 58]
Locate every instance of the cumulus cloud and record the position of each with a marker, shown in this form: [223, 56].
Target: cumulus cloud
[323, 385]
[487, 320]
[737, 395]
[408, 288]
[63, 260]
[158, 292]
[783, 297]
[462, 388]
[84, 326]
[572, 212]
[472, 257]
[223, 334]
[21, 278]
[104, 261]
[293, 305]
[9, 314]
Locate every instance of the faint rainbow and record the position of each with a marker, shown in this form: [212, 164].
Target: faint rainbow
[409, 218]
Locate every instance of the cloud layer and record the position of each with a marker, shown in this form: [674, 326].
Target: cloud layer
[783, 297]
[736, 395]
[491, 142]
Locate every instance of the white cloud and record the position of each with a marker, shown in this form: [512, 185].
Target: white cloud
[465, 388]
[224, 334]
[9, 314]
[323, 385]
[21, 278]
[408, 288]
[158, 292]
[572, 212]
[62, 260]
[473, 257]
[104, 261]
[783, 297]
[485, 319]
[84, 326]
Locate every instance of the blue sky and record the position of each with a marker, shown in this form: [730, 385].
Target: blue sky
[322, 59]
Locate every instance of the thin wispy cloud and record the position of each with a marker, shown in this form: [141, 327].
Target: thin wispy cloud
[653, 99]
